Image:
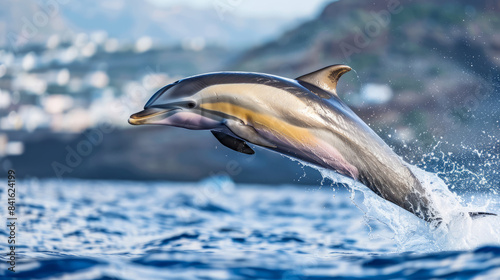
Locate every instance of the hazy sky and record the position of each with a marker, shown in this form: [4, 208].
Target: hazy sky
[281, 8]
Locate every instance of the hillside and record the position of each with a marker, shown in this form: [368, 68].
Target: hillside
[440, 60]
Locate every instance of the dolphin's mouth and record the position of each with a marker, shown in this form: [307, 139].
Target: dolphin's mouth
[147, 115]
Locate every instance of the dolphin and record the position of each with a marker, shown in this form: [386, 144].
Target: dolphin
[303, 118]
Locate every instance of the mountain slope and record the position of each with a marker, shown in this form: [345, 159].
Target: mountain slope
[441, 61]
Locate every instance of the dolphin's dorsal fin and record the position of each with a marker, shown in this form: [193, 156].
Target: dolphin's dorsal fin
[233, 143]
[326, 78]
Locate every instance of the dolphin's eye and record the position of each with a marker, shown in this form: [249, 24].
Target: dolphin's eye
[191, 105]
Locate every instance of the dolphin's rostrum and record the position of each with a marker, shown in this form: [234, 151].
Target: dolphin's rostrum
[303, 118]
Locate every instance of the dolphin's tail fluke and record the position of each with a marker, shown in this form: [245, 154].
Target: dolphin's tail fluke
[476, 215]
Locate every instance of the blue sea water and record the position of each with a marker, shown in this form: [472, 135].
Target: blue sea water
[214, 229]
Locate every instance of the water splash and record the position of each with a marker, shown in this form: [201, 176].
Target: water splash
[357, 75]
[457, 231]
[472, 171]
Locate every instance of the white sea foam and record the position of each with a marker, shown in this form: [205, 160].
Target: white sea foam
[457, 231]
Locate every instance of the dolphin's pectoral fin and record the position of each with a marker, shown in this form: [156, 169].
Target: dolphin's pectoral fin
[326, 78]
[233, 143]
[248, 133]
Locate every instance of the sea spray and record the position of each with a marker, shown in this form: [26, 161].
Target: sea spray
[456, 231]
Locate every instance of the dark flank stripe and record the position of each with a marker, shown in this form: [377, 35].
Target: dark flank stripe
[211, 113]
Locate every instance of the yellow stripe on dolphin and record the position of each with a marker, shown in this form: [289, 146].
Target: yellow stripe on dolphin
[288, 131]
